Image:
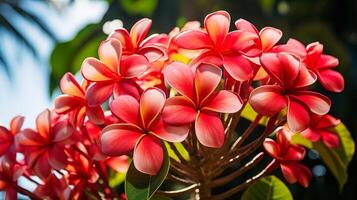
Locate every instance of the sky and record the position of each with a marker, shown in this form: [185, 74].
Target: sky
[27, 92]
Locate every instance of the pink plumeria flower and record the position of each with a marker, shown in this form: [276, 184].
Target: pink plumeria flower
[288, 157]
[321, 128]
[141, 131]
[114, 73]
[292, 78]
[73, 102]
[136, 42]
[222, 47]
[199, 103]
[321, 64]
[264, 42]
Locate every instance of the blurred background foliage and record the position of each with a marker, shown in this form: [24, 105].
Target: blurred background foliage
[331, 22]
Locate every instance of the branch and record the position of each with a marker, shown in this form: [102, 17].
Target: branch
[180, 191]
[247, 183]
[247, 132]
[221, 181]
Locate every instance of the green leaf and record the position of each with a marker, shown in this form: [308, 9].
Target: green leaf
[139, 186]
[333, 162]
[180, 148]
[249, 114]
[337, 159]
[68, 56]
[268, 188]
[347, 148]
[139, 7]
[301, 140]
[116, 179]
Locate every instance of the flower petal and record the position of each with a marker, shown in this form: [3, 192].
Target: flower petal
[133, 66]
[170, 133]
[95, 114]
[151, 103]
[312, 135]
[207, 79]
[181, 78]
[294, 153]
[317, 102]
[178, 110]
[330, 139]
[242, 24]
[43, 123]
[217, 26]
[42, 167]
[269, 36]
[296, 172]
[126, 108]
[109, 53]
[223, 101]
[298, 115]
[148, 155]
[331, 80]
[29, 137]
[70, 86]
[193, 39]
[98, 93]
[271, 147]
[119, 139]
[326, 61]
[139, 31]
[57, 158]
[153, 53]
[267, 100]
[123, 36]
[209, 130]
[127, 87]
[238, 67]
[65, 103]
[16, 124]
[94, 70]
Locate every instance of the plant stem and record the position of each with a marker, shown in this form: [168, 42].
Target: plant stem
[180, 191]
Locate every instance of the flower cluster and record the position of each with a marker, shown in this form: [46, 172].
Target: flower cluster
[145, 91]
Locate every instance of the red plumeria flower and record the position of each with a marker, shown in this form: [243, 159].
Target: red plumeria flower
[321, 128]
[319, 63]
[44, 148]
[7, 138]
[81, 174]
[135, 42]
[221, 46]
[9, 174]
[142, 130]
[199, 102]
[74, 102]
[113, 73]
[264, 42]
[288, 157]
[292, 78]
[54, 188]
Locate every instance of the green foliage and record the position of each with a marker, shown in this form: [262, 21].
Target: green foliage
[139, 7]
[249, 114]
[140, 186]
[180, 148]
[336, 160]
[68, 56]
[268, 188]
[116, 179]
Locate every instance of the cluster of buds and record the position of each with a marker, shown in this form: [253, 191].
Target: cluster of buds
[146, 94]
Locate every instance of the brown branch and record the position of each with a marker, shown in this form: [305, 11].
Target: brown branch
[180, 191]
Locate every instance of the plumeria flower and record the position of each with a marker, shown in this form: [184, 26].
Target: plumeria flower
[9, 174]
[199, 103]
[266, 39]
[222, 47]
[113, 73]
[44, 148]
[141, 131]
[74, 102]
[135, 42]
[288, 157]
[321, 128]
[81, 174]
[292, 79]
[54, 188]
[7, 138]
[321, 64]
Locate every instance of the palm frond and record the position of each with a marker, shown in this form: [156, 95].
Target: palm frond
[35, 19]
[9, 27]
